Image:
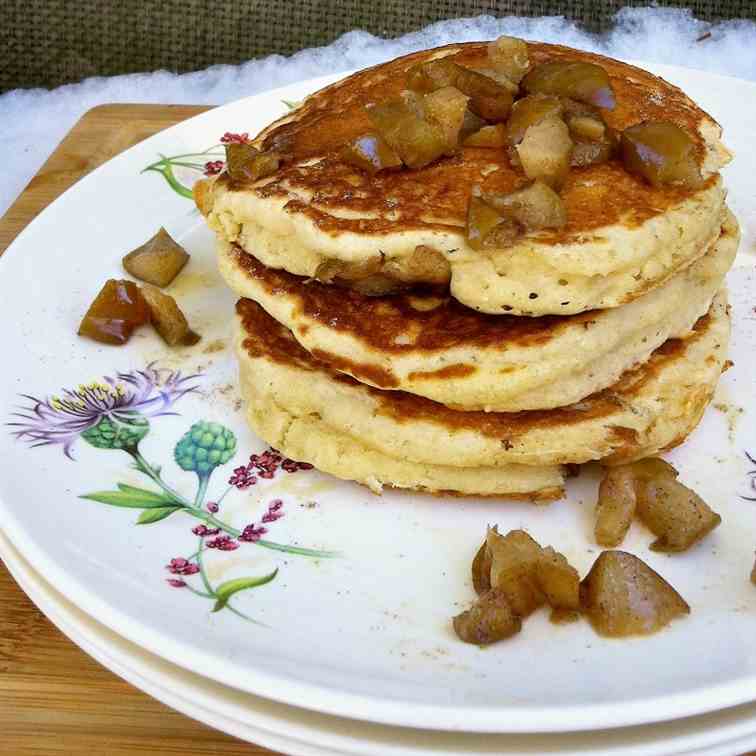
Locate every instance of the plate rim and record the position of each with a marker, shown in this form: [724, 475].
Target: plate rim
[741, 733]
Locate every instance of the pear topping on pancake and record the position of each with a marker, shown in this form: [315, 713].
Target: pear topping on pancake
[585, 82]
[402, 122]
[488, 136]
[662, 153]
[534, 206]
[371, 153]
[245, 163]
[509, 56]
[545, 151]
[487, 228]
[488, 99]
[496, 220]
[530, 111]
[447, 107]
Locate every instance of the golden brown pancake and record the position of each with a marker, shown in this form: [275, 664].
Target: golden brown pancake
[429, 344]
[623, 236]
[649, 409]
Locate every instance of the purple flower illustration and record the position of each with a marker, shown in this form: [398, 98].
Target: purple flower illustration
[109, 414]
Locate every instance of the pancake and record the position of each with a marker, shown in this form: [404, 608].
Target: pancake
[623, 237]
[308, 437]
[430, 345]
[649, 409]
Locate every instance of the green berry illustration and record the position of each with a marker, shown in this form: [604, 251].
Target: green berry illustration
[121, 432]
[205, 446]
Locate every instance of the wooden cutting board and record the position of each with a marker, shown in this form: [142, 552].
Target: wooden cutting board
[54, 699]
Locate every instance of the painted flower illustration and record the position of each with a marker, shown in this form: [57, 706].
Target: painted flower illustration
[114, 414]
[109, 414]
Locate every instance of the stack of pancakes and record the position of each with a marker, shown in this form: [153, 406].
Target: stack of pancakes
[488, 371]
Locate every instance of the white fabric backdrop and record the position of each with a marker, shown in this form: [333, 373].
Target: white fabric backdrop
[32, 122]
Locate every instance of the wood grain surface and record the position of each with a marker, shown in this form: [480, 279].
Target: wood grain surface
[54, 699]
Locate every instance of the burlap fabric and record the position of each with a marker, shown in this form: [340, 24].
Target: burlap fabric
[51, 42]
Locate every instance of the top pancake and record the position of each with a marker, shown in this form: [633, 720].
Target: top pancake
[623, 236]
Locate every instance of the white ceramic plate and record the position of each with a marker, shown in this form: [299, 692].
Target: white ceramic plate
[299, 732]
[365, 634]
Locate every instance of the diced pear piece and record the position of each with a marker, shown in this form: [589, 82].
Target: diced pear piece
[545, 150]
[158, 261]
[615, 508]
[510, 56]
[167, 318]
[585, 82]
[622, 595]
[490, 619]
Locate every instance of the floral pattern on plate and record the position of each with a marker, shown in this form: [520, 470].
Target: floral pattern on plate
[115, 413]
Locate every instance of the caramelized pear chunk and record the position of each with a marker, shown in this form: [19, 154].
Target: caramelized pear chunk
[653, 468]
[753, 573]
[158, 261]
[559, 580]
[115, 312]
[514, 558]
[202, 193]
[530, 111]
[674, 513]
[649, 488]
[378, 286]
[594, 141]
[534, 207]
[586, 153]
[370, 152]
[489, 136]
[470, 125]
[509, 55]
[400, 122]
[662, 153]
[167, 318]
[587, 127]
[432, 75]
[488, 99]
[499, 78]
[487, 228]
[585, 82]
[615, 508]
[246, 163]
[545, 152]
[490, 619]
[447, 107]
[481, 568]
[623, 596]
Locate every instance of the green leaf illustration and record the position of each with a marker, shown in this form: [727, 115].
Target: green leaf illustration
[226, 590]
[149, 516]
[133, 499]
[166, 171]
[143, 493]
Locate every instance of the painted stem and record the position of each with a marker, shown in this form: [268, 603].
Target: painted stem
[198, 593]
[144, 467]
[199, 499]
[203, 574]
